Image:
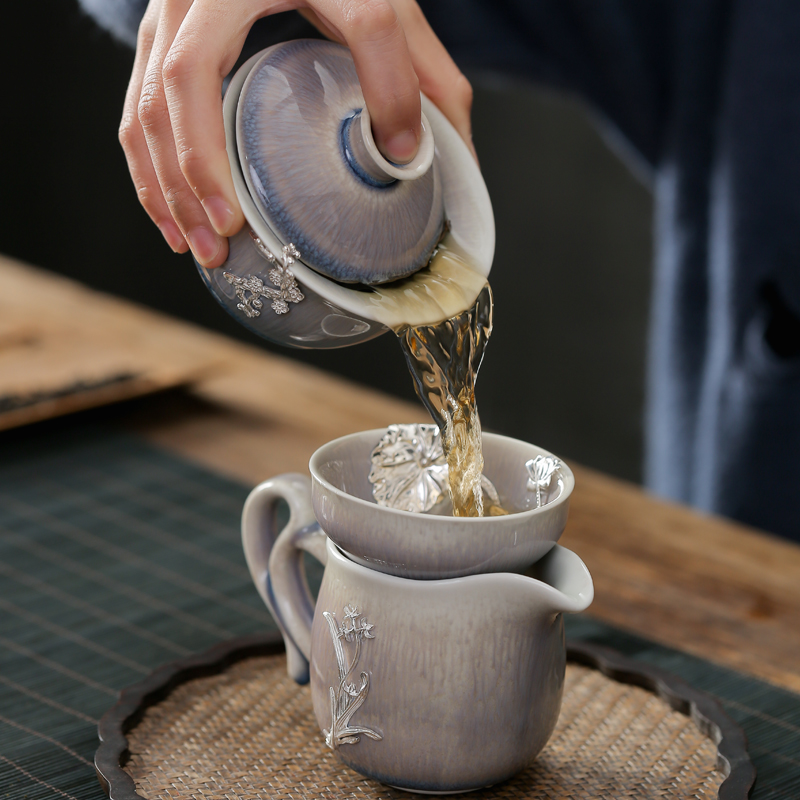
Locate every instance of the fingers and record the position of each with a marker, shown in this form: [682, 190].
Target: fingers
[388, 45]
[374, 33]
[439, 77]
[209, 247]
[133, 142]
[204, 50]
[321, 25]
[172, 127]
[180, 170]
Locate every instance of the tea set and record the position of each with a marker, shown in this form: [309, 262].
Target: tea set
[435, 649]
[435, 665]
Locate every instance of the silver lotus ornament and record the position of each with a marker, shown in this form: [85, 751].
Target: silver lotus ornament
[409, 470]
[541, 471]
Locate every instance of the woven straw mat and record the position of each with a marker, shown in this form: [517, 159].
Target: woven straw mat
[250, 733]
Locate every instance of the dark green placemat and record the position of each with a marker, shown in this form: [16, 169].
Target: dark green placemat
[116, 557]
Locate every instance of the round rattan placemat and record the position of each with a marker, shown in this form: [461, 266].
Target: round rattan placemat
[249, 732]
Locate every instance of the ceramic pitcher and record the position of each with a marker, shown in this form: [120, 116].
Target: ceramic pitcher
[440, 685]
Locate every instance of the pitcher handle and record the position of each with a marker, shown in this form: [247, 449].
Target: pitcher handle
[275, 560]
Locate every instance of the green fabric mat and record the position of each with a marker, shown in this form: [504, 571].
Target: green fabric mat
[116, 557]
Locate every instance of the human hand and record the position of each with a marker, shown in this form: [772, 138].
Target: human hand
[172, 129]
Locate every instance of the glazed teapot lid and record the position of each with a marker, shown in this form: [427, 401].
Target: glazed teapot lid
[307, 154]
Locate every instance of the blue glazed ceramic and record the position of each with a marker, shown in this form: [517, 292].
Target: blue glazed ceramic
[305, 163]
[325, 210]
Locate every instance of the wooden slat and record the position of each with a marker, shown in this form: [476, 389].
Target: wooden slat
[64, 347]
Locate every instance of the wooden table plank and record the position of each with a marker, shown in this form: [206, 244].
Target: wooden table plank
[266, 415]
[64, 347]
[694, 582]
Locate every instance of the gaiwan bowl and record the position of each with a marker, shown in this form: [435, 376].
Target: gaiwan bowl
[276, 281]
[428, 546]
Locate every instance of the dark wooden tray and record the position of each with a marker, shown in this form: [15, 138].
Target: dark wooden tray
[733, 760]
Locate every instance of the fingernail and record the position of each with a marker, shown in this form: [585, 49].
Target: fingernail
[220, 214]
[205, 245]
[169, 230]
[401, 147]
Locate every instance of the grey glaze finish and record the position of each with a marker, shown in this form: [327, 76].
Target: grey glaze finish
[441, 685]
[465, 675]
[456, 684]
[427, 546]
[312, 323]
[302, 159]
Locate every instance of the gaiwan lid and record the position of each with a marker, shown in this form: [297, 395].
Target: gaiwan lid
[308, 157]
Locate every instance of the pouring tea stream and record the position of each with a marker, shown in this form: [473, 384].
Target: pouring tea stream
[342, 245]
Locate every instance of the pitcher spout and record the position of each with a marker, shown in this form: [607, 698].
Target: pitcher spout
[562, 580]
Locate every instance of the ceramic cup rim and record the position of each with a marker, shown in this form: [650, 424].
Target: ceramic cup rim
[319, 457]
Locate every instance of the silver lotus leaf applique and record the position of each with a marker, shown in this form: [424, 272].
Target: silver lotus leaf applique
[541, 471]
[251, 289]
[409, 469]
[347, 698]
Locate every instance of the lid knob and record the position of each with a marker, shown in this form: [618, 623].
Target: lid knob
[367, 161]
[309, 159]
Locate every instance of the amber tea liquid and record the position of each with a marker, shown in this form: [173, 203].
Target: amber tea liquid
[444, 360]
[444, 357]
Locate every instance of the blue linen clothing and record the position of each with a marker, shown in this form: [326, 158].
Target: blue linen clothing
[706, 94]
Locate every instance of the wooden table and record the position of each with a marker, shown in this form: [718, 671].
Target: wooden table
[697, 583]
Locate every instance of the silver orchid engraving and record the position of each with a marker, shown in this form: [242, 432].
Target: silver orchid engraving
[287, 290]
[541, 471]
[347, 698]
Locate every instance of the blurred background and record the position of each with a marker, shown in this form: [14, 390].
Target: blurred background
[571, 278]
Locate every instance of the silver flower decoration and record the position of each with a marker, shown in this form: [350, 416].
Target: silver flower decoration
[348, 697]
[252, 291]
[409, 470]
[541, 470]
